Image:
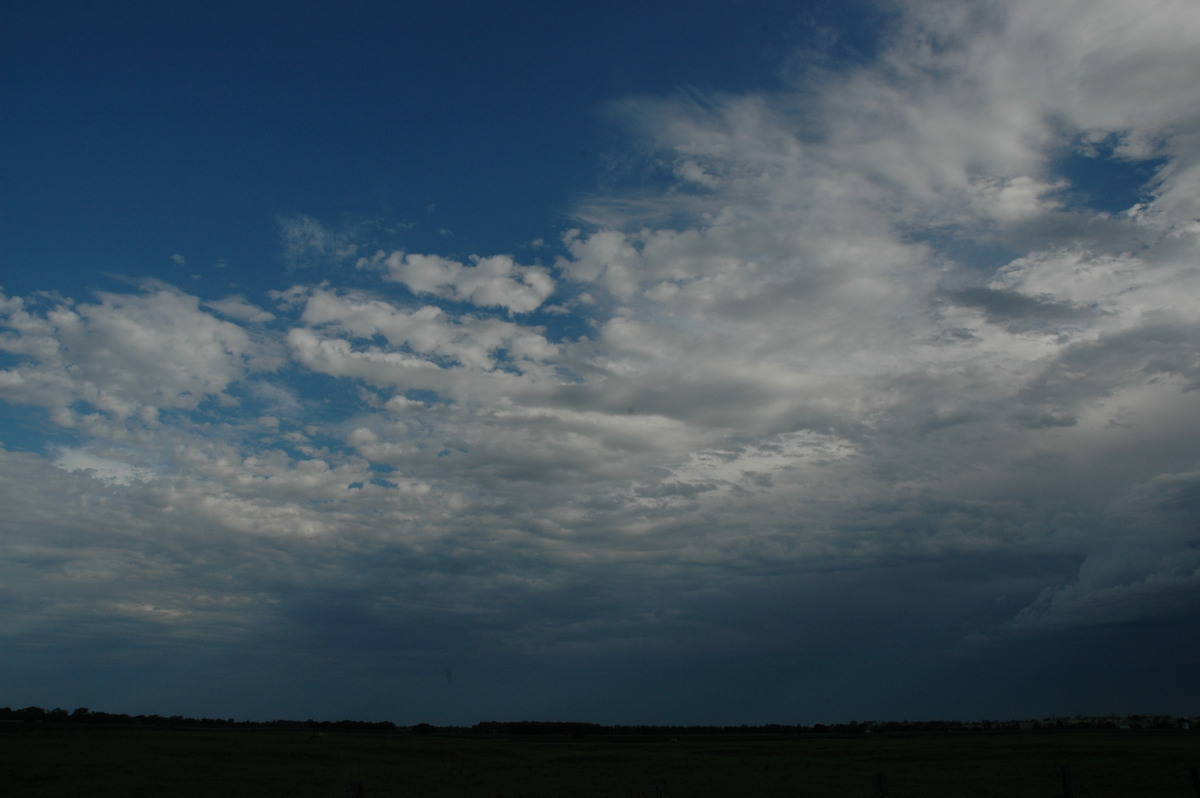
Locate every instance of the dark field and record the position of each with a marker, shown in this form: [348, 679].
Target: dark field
[136, 763]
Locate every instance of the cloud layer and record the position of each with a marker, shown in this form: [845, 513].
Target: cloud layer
[866, 370]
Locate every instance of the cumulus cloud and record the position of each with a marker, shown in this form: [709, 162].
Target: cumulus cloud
[426, 348]
[124, 357]
[824, 278]
[493, 282]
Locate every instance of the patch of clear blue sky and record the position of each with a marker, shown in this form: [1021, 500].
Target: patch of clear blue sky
[25, 428]
[1103, 181]
[135, 131]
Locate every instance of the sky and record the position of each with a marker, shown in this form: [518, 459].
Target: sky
[721, 362]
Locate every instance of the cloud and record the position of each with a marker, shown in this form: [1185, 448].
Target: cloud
[236, 307]
[123, 358]
[820, 247]
[426, 338]
[496, 281]
[308, 243]
[113, 470]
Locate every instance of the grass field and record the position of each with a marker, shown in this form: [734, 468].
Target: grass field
[139, 763]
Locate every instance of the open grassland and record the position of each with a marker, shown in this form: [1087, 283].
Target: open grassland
[137, 762]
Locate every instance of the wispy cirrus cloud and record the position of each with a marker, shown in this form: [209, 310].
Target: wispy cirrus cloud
[307, 242]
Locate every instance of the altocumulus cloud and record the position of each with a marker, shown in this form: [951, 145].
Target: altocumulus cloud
[874, 413]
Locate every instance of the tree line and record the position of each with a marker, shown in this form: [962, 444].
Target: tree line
[85, 716]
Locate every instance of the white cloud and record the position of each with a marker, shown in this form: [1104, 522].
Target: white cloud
[496, 281]
[125, 357]
[810, 277]
[427, 339]
[236, 307]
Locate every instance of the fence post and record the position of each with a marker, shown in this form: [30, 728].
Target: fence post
[1196, 780]
[1068, 790]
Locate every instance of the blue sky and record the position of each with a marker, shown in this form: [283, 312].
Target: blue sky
[720, 362]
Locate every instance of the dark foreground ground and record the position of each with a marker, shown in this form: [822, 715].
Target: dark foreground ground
[135, 762]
